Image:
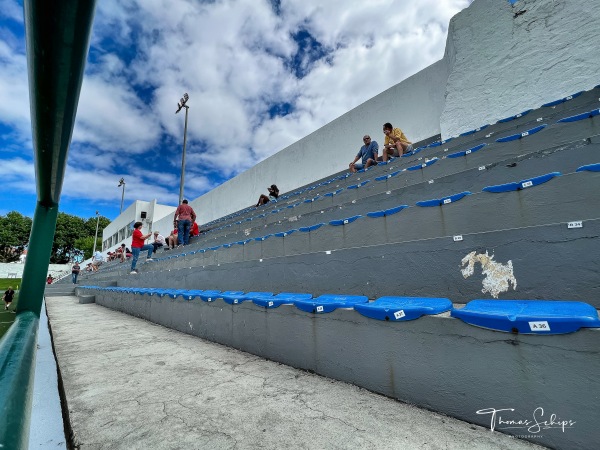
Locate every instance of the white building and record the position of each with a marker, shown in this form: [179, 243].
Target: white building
[120, 230]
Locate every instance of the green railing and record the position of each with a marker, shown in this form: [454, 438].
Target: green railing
[57, 37]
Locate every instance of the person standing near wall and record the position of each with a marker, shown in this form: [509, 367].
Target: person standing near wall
[75, 269]
[137, 245]
[185, 215]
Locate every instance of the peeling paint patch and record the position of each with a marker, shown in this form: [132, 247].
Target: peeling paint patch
[247, 231]
[498, 276]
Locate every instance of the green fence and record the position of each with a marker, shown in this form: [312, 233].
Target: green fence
[57, 37]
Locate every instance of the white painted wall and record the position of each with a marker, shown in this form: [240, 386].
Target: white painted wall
[413, 105]
[501, 65]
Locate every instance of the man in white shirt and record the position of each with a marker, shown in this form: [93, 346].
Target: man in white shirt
[97, 260]
[159, 241]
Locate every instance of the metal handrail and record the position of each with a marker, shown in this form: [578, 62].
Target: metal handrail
[57, 37]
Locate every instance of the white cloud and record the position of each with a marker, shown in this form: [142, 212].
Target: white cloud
[233, 58]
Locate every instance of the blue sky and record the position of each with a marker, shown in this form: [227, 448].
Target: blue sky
[260, 74]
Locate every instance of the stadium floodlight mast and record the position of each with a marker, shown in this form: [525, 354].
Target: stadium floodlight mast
[180, 106]
[122, 183]
[96, 236]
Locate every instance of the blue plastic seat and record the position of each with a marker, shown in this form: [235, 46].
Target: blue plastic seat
[582, 116]
[234, 299]
[193, 293]
[212, 295]
[529, 316]
[589, 168]
[361, 184]
[444, 200]
[423, 165]
[514, 137]
[416, 150]
[174, 293]
[345, 221]
[263, 238]
[466, 152]
[285, 233]
[389, 175]
[403, 308]
[311, 228]
[283, 298]
[331, 194]
[523, 184]
[562, 100]
[435, 144]
[329, 302]
[387, 212]
[516, 116]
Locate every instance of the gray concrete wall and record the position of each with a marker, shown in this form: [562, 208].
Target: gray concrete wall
[501, 65]
[437, 362]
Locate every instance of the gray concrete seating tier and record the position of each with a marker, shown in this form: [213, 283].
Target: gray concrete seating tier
[586, 101]
[553, 136]
[487, 217]
[410, 186]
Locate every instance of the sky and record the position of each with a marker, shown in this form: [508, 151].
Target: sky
[260, 74]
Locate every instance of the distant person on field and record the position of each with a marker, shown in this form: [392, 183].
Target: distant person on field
[75, 269]
[159, 241]
[138, 245]
[97, 260]
[368, 153]
[186, 216]
[396, 143]
[8, 297]
[273, 195]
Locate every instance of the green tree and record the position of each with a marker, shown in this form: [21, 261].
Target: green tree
[14, 235]
[86, 244]
[69, 228]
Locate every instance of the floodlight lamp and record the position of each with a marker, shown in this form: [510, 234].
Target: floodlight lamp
[121, 182]
[182, 102]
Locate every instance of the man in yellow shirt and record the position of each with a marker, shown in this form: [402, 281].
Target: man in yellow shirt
[396, 143]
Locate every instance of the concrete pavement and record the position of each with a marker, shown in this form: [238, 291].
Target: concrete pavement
[131, 384]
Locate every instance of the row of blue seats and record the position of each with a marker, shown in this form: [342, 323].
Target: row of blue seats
[516, 316]
[438, 143]
[507, 187]
[421, 166]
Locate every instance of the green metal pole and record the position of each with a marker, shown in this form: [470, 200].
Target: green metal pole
[38, 258]
[57, 37]
[17, 355]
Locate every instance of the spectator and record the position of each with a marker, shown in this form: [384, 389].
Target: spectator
[88, 268]
[273, 195]
[195, 230]
[172, 239]
[396, 143]
[185, 215]
[49, 280]
[97, 260]
[159, 241]
[8, 297]
[120, 252]
[368, 153]
[137, 245]
[75, 269]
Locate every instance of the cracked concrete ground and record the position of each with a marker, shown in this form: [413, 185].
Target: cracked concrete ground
[131, 384]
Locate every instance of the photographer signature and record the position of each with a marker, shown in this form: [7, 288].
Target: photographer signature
[534, 425]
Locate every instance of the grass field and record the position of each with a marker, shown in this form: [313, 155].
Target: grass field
[8, 317]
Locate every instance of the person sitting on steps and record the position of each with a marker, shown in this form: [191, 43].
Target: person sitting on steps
[396, 143]
[273, 195]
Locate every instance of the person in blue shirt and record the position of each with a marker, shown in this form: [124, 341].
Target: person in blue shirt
[368, 153]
